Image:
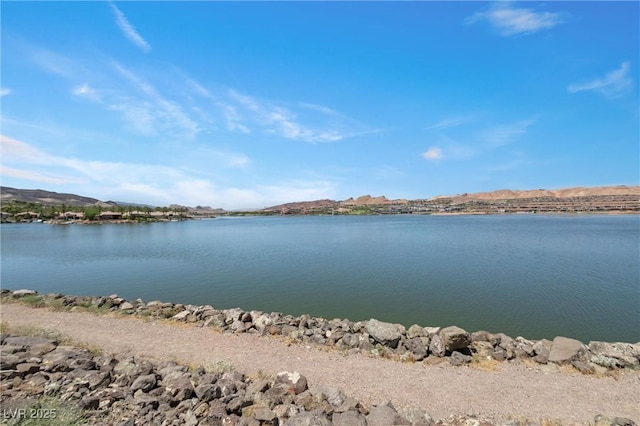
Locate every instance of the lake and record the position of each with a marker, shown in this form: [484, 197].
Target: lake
[530, 275]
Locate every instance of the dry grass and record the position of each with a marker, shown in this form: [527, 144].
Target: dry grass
[485, 364]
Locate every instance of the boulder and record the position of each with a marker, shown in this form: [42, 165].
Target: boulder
[564, 350]
[180, 316]
[385, 415]
[436, 346]
[454, 338]
[458, 358]
[417, 417]
[309, 418]
[384, 332]
[622, 354]
[144, 383]
[415, 331]
[24, 292]
[349, 418]
[334, 396]
[295, 380]
[417, 348]
[126, 306]
[207, 392]
[542, 348]
[601, 420]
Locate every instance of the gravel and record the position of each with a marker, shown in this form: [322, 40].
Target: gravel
[513, 389]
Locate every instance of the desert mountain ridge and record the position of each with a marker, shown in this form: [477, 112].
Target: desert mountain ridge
[502, 194]
[8, 194]
[580, 191]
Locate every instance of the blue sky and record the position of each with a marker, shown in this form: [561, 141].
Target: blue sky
[246, 105]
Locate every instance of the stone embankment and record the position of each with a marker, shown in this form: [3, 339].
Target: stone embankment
[112, 387]
[417, 343]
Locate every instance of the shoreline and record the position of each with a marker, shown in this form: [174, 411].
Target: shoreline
[515, 393]
[381, 339]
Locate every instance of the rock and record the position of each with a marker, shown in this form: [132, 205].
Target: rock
[258, 386]
[431, 331]
[309, 418]
[458, 358]
[583, 366]
[616, 354]
[180, 316]
[542, 349]
[277, 394]
[126, 306]
[415, 331]
[293, 379]
[349, 418]
[385, 415]
[417, 348]
[263, 414]
[180, 389]
[601, 420]
[23, 293]
[564, 350]
[436, 346]
[262, 322]
[417, 417]
[89, 403]
[218, 319]
[384, 332]
[334, 396]
[482, 348]
[26, 368]
[284, 411]
[144, 383]
[454, 338]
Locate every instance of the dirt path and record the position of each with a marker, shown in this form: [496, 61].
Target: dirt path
[533, 392]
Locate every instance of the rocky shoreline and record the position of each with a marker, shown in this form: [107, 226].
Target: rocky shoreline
[171, 394]
[377, 338]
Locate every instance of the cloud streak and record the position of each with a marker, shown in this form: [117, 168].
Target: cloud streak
[4, 91]
[129, 31]
[510, 21]
[482, 141]
[614, 84]
[149, 183]
[285, 123]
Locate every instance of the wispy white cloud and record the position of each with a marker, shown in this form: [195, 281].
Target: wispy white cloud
[152, 183]
[4, 91]
[53, 62]
[451, 122]
[129, 31]
[233, 119]
[501, 135]
[85, 90]
[614, 84]
[150, 113]
[508, 20]
[478, 142]
[285, 122]
[432, 154]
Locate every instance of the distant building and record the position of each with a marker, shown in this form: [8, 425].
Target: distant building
[108, 215]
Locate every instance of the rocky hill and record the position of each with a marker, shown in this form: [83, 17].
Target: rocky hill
[507, 194]
[48, 198]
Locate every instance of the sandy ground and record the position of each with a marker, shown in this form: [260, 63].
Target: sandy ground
[513, 389]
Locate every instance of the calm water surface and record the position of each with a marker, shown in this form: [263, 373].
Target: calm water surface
[535, 276]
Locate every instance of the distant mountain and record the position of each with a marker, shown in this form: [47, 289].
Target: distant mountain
[508, 194]
[504, 194]
[48, 198]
